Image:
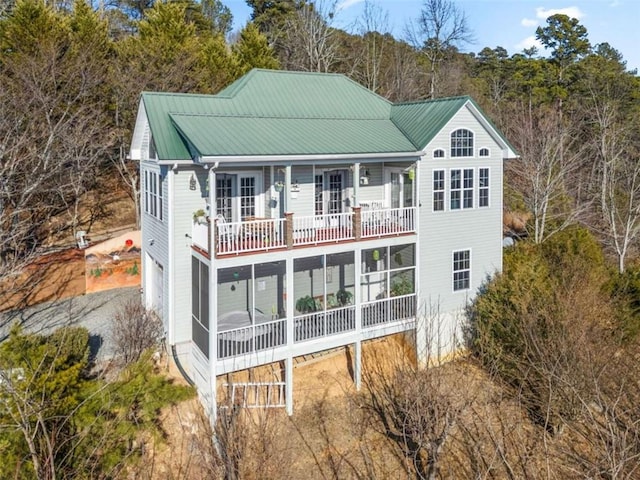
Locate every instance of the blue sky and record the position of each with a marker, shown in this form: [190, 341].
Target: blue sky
[507, 23]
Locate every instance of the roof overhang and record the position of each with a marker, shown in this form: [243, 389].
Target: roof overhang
[507, 150]
[326, 158]
[142, 123]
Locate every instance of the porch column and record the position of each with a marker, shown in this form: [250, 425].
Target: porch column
[289, 385]
[357, 300]
[287, 188]
[288, 370]
[357, 364]
[356, 184]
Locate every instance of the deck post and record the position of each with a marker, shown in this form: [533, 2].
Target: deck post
[288, 230]
[288, 377]
[357, 222]
[357, 367]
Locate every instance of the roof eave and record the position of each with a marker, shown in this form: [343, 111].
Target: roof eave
[214, 159]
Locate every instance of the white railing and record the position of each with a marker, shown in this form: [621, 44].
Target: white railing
[325, 323]
[255, 395]
[200, 235]
[390, 221]
[253, 338]
[234, 238]
[249, 236]
[389, 310]
[313, 229]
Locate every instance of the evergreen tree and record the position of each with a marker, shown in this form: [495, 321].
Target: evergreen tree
[253, 50]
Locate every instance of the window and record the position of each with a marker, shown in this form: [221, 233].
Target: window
[483, 190]
[200, 305]
[439, 153]
[467, 192]
[387, 272]
[462, 143]
[484, 152]
[319, 208]
[153, 194]
[461, 270]
[247, 197]
[224, 196]
[455, 183]
[438, 190]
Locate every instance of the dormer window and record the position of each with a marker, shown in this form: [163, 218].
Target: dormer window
[439, 153]
[484, 152]
[462, 143]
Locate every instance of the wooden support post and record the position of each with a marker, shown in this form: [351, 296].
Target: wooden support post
[288, 229]
[357, 222]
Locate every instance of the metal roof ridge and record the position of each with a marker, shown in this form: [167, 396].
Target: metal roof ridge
[179, 94]
[433, 100]
[275, 117]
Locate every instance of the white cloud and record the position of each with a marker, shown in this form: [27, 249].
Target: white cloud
[344, 4]
[573, 12]
[527, 22]
[528, 43]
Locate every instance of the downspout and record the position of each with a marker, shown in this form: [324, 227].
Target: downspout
[183, 372]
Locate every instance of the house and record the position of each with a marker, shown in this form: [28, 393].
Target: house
[297, 212]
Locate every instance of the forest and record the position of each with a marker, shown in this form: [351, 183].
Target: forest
[554, 338]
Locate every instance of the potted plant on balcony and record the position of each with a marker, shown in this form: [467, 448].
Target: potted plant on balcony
[344, 297]
[307, 304]
[199, 216]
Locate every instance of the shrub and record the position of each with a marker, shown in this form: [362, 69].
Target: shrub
[538, 325]
[134, 330]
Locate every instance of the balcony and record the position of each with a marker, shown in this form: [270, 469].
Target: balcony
[294, 231]
[271, 335]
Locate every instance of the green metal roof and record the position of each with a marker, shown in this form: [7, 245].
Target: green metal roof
[421, 121]
[217, 136]
[269, 112]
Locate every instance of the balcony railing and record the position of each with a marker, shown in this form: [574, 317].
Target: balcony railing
[333, 227]
[316, 325]
[253, 338]
[390, 221]
[325, 323]
[249, 236]
[264, 234]
[389, 310]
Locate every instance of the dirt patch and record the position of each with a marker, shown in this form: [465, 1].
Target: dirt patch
[53, 276]
[61, 273]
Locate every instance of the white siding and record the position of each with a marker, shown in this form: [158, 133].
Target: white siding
[185, 202]
[155, 236]
[476, 229]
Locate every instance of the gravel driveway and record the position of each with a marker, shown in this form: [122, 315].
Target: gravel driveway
[94, 311]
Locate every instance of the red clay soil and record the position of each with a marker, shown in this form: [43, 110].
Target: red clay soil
[51, 277]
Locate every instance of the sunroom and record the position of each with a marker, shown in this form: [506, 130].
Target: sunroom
[326, 297]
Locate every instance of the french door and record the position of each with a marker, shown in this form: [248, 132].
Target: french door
[238, 196]
[400, 188]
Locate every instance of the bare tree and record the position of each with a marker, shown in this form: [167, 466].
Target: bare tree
[53, 133]
[310, 42]
[441, 29]
[415, 409]
[373, 25]
[134, 330]
[546, 177]
[617, 172]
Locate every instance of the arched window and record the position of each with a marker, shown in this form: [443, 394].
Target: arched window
[462, 143]
[439, 153]
[484, 152]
